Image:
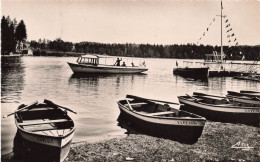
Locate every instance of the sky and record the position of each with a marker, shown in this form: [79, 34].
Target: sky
[138, 21]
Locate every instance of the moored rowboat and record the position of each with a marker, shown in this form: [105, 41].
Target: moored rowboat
[250, 97]
[250, 94]
[45, 129]
[219, 109]
[158, 119]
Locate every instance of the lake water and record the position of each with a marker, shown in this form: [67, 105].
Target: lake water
[94, 97]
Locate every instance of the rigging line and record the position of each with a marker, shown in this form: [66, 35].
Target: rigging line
[204, 34]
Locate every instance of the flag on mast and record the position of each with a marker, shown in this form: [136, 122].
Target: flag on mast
[221, 5]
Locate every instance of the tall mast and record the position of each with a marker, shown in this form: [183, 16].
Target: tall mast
[221, 34]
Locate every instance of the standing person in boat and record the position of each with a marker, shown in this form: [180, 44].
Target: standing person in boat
[118, 62]
[123, 64]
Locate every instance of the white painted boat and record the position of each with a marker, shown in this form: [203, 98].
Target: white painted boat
[90, 64]
[45, 129]
[157, 118]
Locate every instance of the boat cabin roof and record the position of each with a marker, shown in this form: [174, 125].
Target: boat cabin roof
[90, 56]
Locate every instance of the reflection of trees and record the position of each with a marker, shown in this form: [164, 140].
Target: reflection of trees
[12, 79]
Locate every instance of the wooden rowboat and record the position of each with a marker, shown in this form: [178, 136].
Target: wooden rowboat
[250, 94]
[236, 100]
[220, 109]
[45, 129]
[157, 118]
[250, 97]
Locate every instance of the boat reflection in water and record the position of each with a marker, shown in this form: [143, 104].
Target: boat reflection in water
[99, 81]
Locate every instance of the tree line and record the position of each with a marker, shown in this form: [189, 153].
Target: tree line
[12, 34]
[188, 51]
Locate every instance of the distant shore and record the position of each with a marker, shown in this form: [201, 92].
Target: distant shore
[215, 144]
[56, 53]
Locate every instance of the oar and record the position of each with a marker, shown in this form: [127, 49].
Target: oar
[204, 94]
[26, 107]
[136, 97]
[51, 103]
[192, 97]
[130, 107]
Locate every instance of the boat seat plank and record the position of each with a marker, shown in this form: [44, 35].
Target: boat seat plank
[43, 122]
[197, 99]
[39, 109]
[34, 128]
[160, 113]
[225, 105]
[212, 97]
[136, 104]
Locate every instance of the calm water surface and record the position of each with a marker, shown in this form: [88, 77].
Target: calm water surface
[94, 97]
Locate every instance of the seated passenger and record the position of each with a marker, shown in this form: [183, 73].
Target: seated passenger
[123, 64]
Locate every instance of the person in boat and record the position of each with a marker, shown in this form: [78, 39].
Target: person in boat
[176, 63]
[123, 64]
[133, 64]
[118, 62]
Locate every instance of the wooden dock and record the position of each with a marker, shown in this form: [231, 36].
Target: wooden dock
[231, 69]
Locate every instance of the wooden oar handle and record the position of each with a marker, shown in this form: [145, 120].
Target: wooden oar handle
[51, 103]
[26, 107]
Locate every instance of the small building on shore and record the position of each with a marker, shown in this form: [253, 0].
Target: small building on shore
[24, 48]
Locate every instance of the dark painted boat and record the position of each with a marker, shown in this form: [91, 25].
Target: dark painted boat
[242, 100]
[250, 97]
[249, 77]
[251, 94]
[249, 91]
[157, 118]
[192, 72]
[45, 129]
[220, 109]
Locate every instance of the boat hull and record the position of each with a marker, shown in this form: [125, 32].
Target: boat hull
[250, 116]
[196, 73]
[79, 68]
[38, 151]
[183, 130]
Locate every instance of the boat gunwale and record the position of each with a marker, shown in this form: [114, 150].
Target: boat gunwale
[198, 117]
[220, 106]
[42, 135]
